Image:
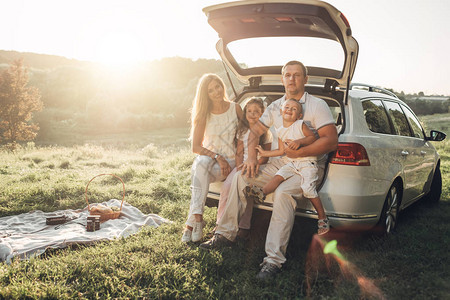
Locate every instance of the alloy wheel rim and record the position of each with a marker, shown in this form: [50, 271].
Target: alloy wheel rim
[391, 210]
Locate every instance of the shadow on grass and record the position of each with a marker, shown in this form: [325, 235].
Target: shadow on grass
[338, 265]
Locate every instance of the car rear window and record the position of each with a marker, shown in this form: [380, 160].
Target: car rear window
[259, 52]
[376, 117]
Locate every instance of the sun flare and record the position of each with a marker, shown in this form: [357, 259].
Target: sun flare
[113, 38]
[119, 49]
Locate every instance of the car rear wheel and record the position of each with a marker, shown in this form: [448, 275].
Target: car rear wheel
[436, 187]
[389, 214]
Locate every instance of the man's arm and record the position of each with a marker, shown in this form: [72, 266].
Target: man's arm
[327, 142]
[251, 165]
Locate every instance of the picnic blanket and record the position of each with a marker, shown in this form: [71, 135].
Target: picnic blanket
[27, 235]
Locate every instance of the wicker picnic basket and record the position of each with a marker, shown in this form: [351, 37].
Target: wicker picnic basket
[105, 216]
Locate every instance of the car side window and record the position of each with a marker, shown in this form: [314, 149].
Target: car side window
[398, 118]
[376, 117]
[414, 122]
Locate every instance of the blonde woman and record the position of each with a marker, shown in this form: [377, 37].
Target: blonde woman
[213, 130]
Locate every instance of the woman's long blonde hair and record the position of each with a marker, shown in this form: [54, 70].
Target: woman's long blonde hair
[201, 106]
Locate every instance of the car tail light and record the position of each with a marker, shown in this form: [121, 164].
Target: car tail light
[344, 19]
[284, 19]
[248, 20]
[352, 154]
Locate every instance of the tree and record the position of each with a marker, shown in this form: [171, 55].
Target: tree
[18, 101]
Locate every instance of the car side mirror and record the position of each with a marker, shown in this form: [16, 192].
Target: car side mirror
[436, 136]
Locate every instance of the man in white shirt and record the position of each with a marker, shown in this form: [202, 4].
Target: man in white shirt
[318, 117]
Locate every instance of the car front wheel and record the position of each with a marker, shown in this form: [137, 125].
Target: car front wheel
[389, 214]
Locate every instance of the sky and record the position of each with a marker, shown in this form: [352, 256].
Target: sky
[403, 44]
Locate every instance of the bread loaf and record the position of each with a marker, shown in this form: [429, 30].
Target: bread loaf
[101, 209]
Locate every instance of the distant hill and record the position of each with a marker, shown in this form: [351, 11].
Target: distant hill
[40, 61]
[82, 97]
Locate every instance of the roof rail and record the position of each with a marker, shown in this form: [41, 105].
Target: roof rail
[373, 88]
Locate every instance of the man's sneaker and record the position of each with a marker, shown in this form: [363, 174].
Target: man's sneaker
[243, 234]
[186, 237]
[210, 234]
[197, 231]
[217, 241]
[268, 271]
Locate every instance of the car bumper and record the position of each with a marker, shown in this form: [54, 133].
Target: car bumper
[353, 222]
[352, 200]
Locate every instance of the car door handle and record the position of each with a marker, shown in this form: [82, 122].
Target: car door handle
[405, 153]
[423, 153]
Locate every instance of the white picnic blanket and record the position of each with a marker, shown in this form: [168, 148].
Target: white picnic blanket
[27, 234]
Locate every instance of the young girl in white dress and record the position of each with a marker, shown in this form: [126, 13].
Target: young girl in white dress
[253, 110]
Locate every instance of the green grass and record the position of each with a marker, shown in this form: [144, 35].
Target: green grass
[153, 264]
[439, 122]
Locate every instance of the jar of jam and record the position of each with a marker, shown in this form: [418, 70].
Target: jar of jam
[93, 223]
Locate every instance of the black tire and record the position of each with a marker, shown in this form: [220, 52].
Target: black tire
[434, 195]
[389, 214]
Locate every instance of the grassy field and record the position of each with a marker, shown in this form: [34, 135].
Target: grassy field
[410, 264]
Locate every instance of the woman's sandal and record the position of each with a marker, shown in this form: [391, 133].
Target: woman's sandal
[323, 226]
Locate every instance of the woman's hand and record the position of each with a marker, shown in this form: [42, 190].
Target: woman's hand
[225, 167]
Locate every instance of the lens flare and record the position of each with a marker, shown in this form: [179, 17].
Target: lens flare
[331, 247]
[323, 254]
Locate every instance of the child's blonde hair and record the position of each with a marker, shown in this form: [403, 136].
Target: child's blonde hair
[201, 105]
[297, 103]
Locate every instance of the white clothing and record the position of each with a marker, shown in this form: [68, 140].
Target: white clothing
[244, 138]
[294, 132]
[204, 171]
[316, 114]
[305, 167]
[220, 132]
[306, 170]
[245, 220]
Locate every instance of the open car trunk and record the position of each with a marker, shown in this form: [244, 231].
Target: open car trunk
[269, 94]
[313, 32]
[256, 38]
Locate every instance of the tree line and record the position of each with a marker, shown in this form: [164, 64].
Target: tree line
[88, 98]
[94, 99]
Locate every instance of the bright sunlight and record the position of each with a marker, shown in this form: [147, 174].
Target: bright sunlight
[119, 49]
[114, 39]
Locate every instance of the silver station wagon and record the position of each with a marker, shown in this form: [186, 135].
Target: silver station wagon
[384, 161]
